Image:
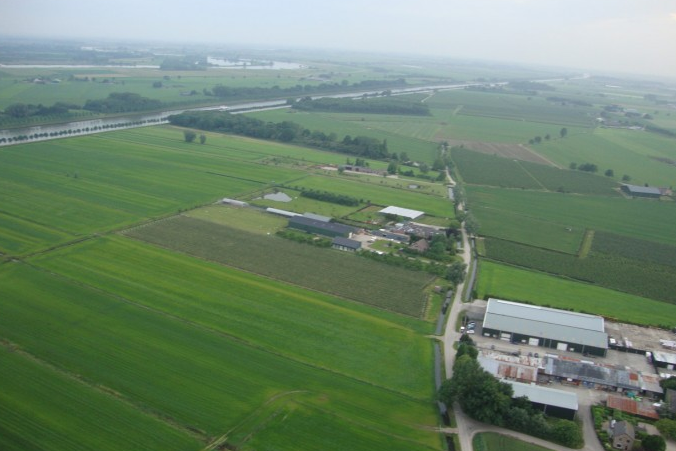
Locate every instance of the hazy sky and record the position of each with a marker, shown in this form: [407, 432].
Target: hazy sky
[636, 36]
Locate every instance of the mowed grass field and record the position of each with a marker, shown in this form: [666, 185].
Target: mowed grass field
[492, 441]
[321, 269]
[509, 282]
[199, 378]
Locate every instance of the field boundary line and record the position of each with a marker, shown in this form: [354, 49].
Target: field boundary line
[586, 244]
[518, 162]
[103, 389]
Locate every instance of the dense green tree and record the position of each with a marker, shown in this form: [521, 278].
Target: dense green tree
[669, 383]
[392, 167]
[456, 272]
[189, 136]
[466, 349]
[654, 443]
[667, 427]
[568, 433]
[626, 178]
[203, 139]
[563, 132]
[609, 173]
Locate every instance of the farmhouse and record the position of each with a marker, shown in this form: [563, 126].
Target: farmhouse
[420, 246]
[403, 212]
[345, 244]
[331, 229]
[621, 434]
[557, 403]
[546, 327]
[642, 191]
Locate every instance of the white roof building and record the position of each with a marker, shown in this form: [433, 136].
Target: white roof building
[403, 212]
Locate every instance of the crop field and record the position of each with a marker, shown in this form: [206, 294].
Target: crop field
[259, 311]
[528, 229]
[511, 151]
[361, 125]
[72, 416]
[66, 188]
[639, 218]
[511, 106]
[216, 381]
[324, 270]
[482, 169]
[650, 280]
[379, 194]
[518, 284]
[490, 129]
[633, 248]
[635, 153]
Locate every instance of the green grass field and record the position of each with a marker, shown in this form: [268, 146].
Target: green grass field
[628, 152]
[285, 319]
[509, 282]
[325, 270]
[41, 408]
[54, 191]
[381, 194]
[216, 381]
[639, 218]
[371, 125]
[483, 169]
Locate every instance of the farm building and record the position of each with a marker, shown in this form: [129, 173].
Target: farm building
[556, 403]
[391, 235]
[664, 360]
[277, 211]
[642, 191]
[546, 327]
[346, 244]
[331, 229]
[643, 408]
[601, 376]
[403, 212]
[234, 202]
[317, 217]
[518, 368]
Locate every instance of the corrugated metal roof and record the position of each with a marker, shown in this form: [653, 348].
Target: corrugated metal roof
[542, 322]
[346, 242]
[666, 357]
[545, 395]
[317, 217]
[643, 189]
[332, 226]
[403, 212]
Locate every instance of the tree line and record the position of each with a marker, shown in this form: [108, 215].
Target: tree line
[251, 92]
[485, 398]
[364, 105]
[334, 198]
[286, 131]
[122, 102]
